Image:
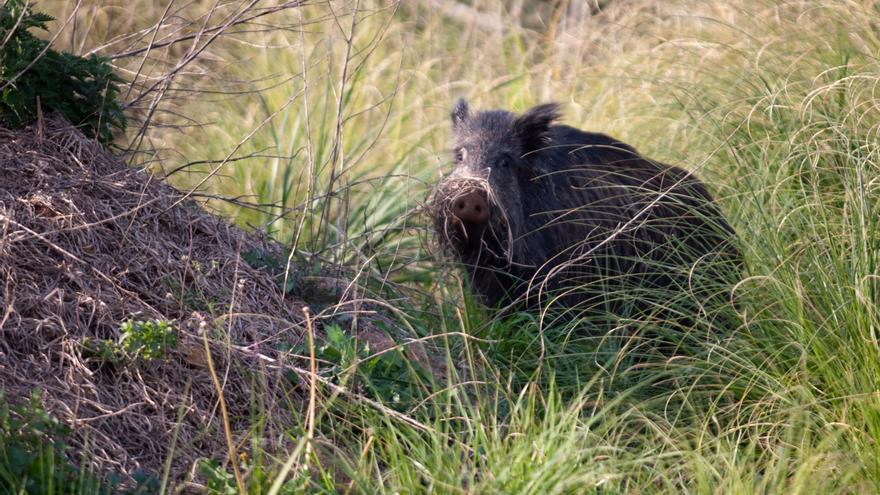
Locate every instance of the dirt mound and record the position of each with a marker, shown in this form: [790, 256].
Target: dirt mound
[87, 243]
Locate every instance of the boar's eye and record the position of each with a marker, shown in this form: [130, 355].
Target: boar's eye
[504, 162]
[460, 155]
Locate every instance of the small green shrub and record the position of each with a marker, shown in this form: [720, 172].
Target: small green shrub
[83, 89]
[147, 339]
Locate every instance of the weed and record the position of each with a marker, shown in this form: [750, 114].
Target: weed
[145, 340]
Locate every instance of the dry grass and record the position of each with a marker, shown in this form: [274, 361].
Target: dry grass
[86, 243]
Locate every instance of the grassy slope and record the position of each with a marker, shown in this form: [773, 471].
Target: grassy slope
[776, 106]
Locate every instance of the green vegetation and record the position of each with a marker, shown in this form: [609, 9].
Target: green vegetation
[32, 454]
[83, 89]
[146, 340]
[774, 104]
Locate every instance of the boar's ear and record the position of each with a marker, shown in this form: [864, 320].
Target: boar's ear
[459, 113]
[533, 127]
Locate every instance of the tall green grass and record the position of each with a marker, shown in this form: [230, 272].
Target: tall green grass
[774, 104]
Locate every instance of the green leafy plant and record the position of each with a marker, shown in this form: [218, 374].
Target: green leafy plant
[31, 449]
[147, 339]
[83, 89]
[218, 479]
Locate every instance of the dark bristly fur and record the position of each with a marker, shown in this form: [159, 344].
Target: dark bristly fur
[577, 215]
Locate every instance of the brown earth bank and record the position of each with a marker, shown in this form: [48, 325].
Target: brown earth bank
[87, 243]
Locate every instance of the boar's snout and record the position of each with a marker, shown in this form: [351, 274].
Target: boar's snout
[463, 212]
[471, 208]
